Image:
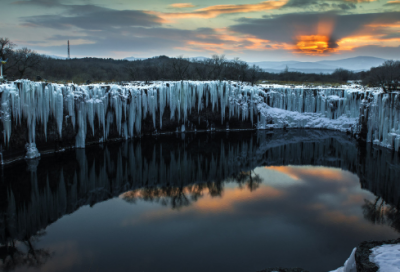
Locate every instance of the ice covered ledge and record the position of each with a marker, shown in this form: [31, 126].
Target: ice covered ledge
[374, 256]
[52, 117]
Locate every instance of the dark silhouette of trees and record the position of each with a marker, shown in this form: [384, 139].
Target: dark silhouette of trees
[237, 70]
[342, 75]
[254, 74]
[386, 76]
[248, 178]
[180, 67]
[26, 59]
[14, 257]
[20, 60]
[380, 212]
[6, 52]
[6, 48]
[218, 64]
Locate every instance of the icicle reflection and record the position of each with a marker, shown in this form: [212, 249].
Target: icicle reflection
[176, 172]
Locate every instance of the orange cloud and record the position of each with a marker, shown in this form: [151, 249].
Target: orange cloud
[206, 204]
[381, 25]
[314, 45]
[232, 196]
[329, 174]
[360, 1]
[338, 217]
[214, 11]
[350, 43]
[228, 40]
[182, 5]
[319, 43]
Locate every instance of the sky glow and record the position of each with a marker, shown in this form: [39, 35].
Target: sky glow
[251, 30]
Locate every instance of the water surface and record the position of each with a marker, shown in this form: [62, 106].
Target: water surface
[237, 201]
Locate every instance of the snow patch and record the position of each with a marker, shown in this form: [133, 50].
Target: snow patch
[386, 257]
[31, 151]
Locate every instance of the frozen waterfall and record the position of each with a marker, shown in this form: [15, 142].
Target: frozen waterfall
[125, 111]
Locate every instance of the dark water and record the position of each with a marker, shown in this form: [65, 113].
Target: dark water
[237, 201]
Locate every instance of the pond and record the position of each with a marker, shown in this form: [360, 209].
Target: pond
[231, 201]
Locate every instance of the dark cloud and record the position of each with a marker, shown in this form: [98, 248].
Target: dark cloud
[345, 6]
[90, 17]
[42, 3]
[321, 5]
[154, 41]
[300, 3]
[284, 28]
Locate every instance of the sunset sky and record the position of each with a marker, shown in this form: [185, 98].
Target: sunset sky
[251, 30]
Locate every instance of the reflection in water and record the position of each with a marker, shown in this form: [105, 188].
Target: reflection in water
[380, 212]
[204, 173]
[15, 254]
[180, 196]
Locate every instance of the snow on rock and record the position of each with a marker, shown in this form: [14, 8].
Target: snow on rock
[386, 257]
[349, 265]
[31, 151]
[98, 108]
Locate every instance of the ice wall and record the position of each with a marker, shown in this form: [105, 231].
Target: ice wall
[80, 111]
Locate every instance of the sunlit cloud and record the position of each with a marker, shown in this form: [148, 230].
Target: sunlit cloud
[298, 173]
[351, 43]
[315, 45]
[360, 1]
[182, 5]
[214, 11]
[235, 196]
[222, 40]
[320, 43]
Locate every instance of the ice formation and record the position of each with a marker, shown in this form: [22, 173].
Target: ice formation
[31, 151]
[91, 108]
[350, 264]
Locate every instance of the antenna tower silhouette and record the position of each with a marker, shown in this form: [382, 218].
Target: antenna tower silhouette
[69, 53]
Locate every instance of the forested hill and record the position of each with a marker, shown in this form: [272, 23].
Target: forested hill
[26, 63]
[164, 68]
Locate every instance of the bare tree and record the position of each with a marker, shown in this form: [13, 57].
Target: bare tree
[342, 75]
[218, 64]
[203, 69]
[133, 72]
[7, 52]
[386, 76]
[6, 48]
[382, 213]
[150, 73]
[180, 67]
[254, 74]
[26, 59]
[243, 68]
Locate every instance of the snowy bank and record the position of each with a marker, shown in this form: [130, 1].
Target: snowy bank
[374, 257]
[386, 257]
[51, 117]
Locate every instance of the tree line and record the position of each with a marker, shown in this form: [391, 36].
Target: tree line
[26, 63]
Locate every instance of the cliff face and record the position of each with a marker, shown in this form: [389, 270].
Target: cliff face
[39, 117]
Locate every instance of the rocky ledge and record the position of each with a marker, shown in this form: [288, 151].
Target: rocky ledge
[366, 249]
